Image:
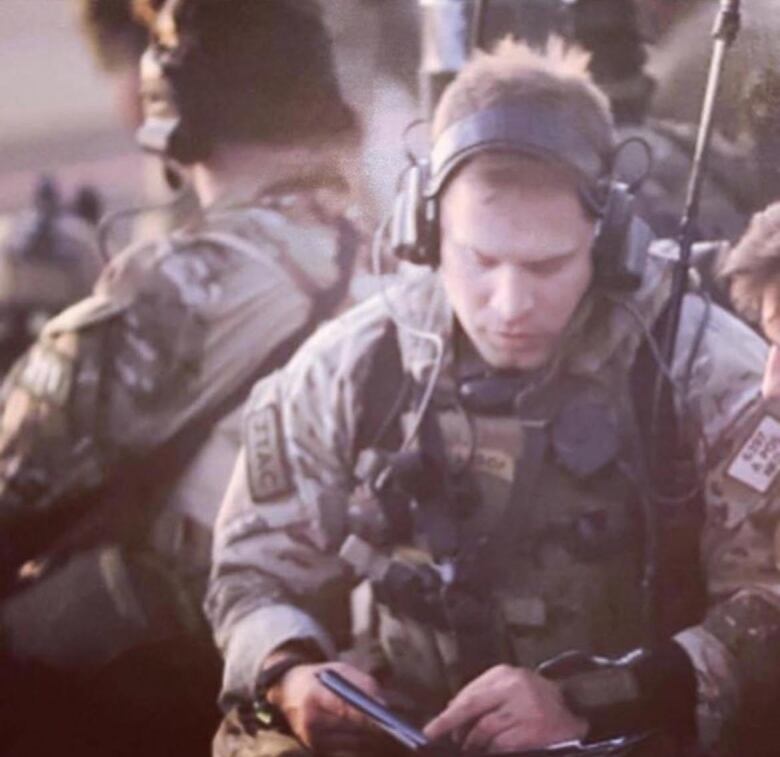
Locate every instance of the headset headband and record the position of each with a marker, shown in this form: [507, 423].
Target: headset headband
[545, 131]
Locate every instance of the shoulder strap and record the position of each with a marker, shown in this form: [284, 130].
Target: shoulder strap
[385, 389]
[680, 593]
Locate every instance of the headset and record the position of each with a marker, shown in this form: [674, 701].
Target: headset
[172, 91]
[621, 242]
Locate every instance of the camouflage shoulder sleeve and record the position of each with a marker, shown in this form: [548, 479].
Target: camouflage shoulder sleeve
[736, 649]
[276, 575]
[49, 433]
[87, 391]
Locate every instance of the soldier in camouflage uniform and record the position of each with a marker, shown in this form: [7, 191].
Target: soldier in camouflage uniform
[506, 521]
[120, 425]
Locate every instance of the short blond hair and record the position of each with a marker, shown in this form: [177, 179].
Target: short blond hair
[754, 262]
[514, 74]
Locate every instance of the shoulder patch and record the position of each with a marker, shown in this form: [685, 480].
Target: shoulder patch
[268, 471]
[757, 462]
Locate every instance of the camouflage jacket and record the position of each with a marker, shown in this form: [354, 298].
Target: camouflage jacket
[276, 572]
[173, 335]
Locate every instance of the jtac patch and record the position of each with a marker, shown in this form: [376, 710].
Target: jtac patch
[267, 467]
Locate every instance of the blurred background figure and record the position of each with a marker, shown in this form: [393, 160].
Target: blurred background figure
[48, 260]
[746, 162]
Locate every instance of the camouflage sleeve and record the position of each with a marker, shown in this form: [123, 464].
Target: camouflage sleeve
[169, 333]
[736, 649]
[276, 575]
[49, 426]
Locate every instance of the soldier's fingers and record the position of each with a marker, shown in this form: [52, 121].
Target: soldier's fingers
[490, 685]
[336, 712]
[336, 706]
[484, 731]
[460, 714]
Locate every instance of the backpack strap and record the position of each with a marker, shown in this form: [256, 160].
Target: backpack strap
[679, 594]
[379, 425]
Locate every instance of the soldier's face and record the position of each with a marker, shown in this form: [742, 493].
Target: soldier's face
[515, 256]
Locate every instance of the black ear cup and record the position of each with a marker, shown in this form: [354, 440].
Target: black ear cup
[172, 125]
[414, 230]
[619, 254]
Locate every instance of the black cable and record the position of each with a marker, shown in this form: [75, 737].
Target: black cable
[477, 39]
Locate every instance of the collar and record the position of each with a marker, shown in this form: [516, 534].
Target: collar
[287, 174]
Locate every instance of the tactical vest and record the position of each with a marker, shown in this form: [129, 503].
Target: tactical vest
[511, 538]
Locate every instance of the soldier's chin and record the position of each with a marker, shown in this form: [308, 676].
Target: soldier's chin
[525, 359]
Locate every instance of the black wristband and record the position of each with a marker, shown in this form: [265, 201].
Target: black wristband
[668, 687]
[646, 689]
[263, 714]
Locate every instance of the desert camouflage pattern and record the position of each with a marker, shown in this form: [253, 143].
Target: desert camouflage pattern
[276, 574]
[171, 331]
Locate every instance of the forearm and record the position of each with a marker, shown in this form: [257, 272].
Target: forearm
[736, 655]
[269, 586]
[261, 638]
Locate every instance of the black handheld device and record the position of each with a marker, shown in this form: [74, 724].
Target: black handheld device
[416, 741]
[399, 729]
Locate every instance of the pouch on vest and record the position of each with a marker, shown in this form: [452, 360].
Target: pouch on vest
[91, 608]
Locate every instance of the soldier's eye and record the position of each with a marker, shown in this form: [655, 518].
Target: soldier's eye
[482, 260]
[547, 267]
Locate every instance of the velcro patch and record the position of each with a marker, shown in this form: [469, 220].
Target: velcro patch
[757, 463]
[267, 467]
